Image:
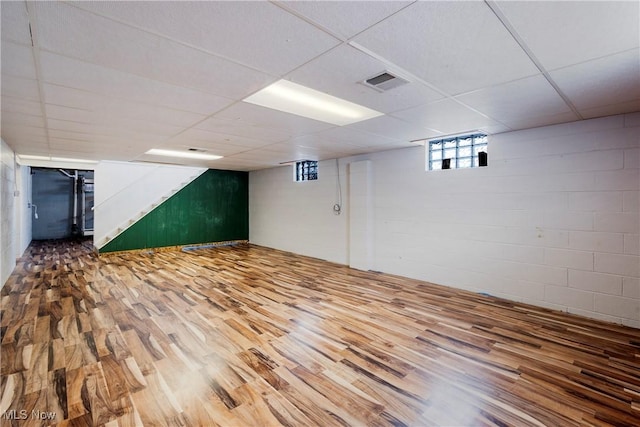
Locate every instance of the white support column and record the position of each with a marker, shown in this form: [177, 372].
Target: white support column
[361, 237]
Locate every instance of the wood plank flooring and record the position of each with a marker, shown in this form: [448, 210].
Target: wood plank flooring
[249, 336]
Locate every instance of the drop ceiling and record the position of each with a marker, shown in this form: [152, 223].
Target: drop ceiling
[112, 80]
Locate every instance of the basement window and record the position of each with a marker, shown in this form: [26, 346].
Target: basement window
[465, 151]
[306, 170]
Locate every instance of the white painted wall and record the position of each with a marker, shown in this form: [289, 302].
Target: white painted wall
[15, 219]
[553, 221]
[123, 190]
[298, 216]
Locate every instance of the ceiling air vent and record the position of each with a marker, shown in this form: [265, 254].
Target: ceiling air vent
[384, 81]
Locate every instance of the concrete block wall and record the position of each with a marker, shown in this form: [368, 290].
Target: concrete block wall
[15, 211]
[7, 206]
[553, 221]
[298, 216]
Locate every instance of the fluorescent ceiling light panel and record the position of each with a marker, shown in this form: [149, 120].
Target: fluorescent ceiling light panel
[185, 154]
[54, 159]
[30, 157]
[64, 159]
[293, 98]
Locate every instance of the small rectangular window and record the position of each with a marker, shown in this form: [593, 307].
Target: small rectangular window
[466, 151]
[306, 170]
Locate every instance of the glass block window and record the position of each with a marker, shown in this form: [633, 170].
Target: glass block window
[306, 170]
[457, 152]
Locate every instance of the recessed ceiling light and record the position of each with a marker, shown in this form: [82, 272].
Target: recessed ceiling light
[293, 98]
[184, 154]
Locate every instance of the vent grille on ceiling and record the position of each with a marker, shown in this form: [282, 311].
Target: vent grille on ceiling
[384, 81]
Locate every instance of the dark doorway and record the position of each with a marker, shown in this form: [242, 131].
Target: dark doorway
[53, 200]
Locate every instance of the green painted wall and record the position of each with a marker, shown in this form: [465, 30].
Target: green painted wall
[212, 208]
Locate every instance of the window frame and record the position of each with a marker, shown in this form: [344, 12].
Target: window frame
[305, 170]
[477, 142]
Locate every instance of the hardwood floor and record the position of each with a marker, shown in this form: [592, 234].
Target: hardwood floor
[249, 336]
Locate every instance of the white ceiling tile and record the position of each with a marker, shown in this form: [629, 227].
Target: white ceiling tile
[15, 22]
[97, 118]
[15, 129]
[21, 106]
[77, 146]
[396, 129]
[257, 34]
[319, 146]
[339, 145]
[33, 148]
[58, 135]
[59, 112]
[21, 135]
[524, 122]
[117, 133]
[20, 88]
[605, 81]
[199, 137]
[105, 81]
[346, 18]
[609, 110]
[114, 107]
[455, 46]
[101, 41]
[247, 130]
[131, 141]
[22, 119]
[494, 129]
[561, 33]
[92, 146]
[292, 151]
[341, 71]
[289, 152]
[324, 148]
[95, 154]
[531, 96]
[250, 114]
[17, 60]
[446, 116]
[300, 148]
[356, 137]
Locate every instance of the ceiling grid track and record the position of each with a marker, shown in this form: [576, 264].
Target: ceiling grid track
[35, 51]
[503, 19]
